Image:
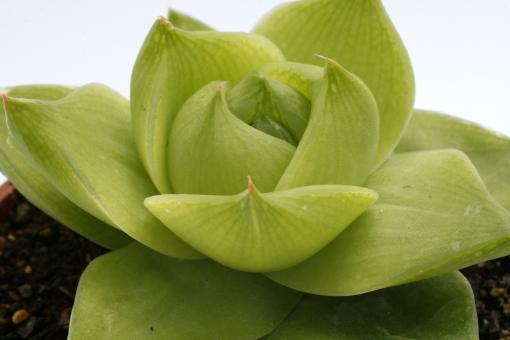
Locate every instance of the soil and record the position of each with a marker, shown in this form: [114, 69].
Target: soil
[491, 285]
[41, 262]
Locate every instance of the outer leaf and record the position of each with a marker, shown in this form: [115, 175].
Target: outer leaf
[135, 293]
[360, 36]
[46, 92]
[31, 181]
[172, 65]
[257, 98]
[186, 22]
[211, 151]
[84, 144]
[340, 141]
[438, 308]
[434, 215]
[488, 150]
[262, 232]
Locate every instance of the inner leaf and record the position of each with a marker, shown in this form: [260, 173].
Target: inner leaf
[301, 77]
[211, 151]
[271, 106]
[340, 141]
[172, 65]
[186, 22]
[360, 36]
[269, 126]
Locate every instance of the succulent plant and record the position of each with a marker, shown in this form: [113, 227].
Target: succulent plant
[271, 184]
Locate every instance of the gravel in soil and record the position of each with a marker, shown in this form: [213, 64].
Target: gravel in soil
[491, 286]
[41, 262]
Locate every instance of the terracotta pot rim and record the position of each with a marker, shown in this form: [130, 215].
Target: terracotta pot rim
[9, 197]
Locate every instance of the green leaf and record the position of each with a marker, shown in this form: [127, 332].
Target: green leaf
[31, 181]
[434, 215]
[83, 142]
[186, 22]
[262, 101]
[211, 151]
[301, 77]
[438, 308]
[270, 127]
[172, 65]
[134, 293]
[45, 92]
[360, 36]
[340, 141]
[262, 232]
[488, 150]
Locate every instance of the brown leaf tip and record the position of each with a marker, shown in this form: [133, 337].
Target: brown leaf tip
[251, 185]
[165, 22]
[5, 98]
[219, 87]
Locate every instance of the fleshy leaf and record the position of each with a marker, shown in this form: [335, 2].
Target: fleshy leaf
[340, 141]
[258, 99]
[262, 232]
[134, 293]
[441, 308]
[488, 150]
[31, 181]
[186, 22]
[172, 65]
[83, 142]
[270, 127]
[45, 92]
[360, 36]
[301, 77]
[434, 215]
[211, 151]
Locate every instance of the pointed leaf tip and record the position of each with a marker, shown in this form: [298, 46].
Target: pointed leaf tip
[340, 142]
[165, 22]
[359, 35]
[83, 144]
[186, 22]
[264, 231]
[325, 59]
[31, 180]
[430, 195]
[211, 151]
[251, 186]
[488, 150]
[171, 66]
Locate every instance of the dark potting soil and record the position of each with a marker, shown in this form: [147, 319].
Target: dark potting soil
[41, 262]
[491, 285]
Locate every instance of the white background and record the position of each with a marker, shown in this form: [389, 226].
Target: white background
[460, 48]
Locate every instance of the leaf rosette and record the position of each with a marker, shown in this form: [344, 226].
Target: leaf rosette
[271, 154]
